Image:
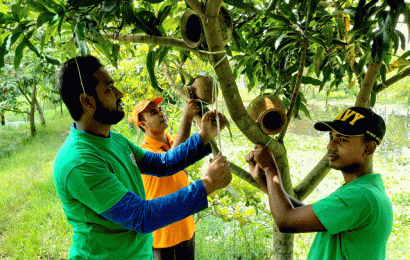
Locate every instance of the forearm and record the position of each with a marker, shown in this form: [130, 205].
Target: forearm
[279, 201]
[146, 216]
[174, 160]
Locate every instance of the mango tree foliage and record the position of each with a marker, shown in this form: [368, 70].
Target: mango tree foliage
[278, 46]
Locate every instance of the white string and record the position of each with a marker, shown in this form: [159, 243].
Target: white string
[79, 74]
[270, 139]
[215, 90]
[216, 65]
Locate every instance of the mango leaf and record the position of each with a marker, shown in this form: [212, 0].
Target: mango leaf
[44, 17]
[83, 3]
[309, 80]
[151, 70]
[115, 53]
[52, 61]
[163, 14]
[19, 54]
[16, 10]
[3, 50]
[242, 5]
[109, 5]
[154, 1]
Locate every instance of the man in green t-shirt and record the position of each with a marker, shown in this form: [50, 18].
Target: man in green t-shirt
[355, 221]
[97, 172]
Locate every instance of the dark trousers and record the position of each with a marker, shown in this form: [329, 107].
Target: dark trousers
[182, 251]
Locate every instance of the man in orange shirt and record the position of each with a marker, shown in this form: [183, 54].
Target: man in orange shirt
[177, 240]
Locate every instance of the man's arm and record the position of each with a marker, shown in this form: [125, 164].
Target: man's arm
[190, 110]
[185, 154]
[288, 218]
[146, 216]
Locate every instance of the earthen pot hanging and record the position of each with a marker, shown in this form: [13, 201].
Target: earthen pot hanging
[192, 30]
[203, 89]
[269, 113]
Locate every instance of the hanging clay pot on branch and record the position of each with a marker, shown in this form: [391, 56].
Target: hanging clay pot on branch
[192, 30]
[203, 89]
[269, 113]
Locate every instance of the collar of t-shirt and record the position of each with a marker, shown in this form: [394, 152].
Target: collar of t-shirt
[91, 133]
[154, 143]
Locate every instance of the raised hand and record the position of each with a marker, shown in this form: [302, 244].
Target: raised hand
[257, 173]
[191, 109]
[265, 159]
[209, 127]
[218, 175]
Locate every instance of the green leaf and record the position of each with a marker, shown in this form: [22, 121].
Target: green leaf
[16, 10]
[3, 51]
[154, 1]
[115, 53]
[4, 8]
[309, 80]
[318, 41]
[280, 18]
[163, 14]
[151, 70]
[52, 61]
[242, 5]
[19, 54]
[44, 17]
[83, 3]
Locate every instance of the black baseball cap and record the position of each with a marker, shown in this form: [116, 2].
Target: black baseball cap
[356, 121]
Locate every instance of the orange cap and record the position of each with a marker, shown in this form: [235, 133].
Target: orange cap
[141, 106]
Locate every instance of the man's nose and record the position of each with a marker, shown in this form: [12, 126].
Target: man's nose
[118, 93]
[331, 145]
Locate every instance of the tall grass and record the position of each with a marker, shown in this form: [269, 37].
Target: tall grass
[32, 224]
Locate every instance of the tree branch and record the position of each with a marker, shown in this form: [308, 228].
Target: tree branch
[295, 89]
[363, 97]
[15, 111]
[392, 80]
[153, 40]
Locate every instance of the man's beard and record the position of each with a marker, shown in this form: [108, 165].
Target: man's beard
[107, 116]
[353, 168]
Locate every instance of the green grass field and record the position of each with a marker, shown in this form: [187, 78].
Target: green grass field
[33, 225]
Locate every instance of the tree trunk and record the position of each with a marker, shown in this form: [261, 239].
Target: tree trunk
[282, 245]
[32, 111]
[40, 113]
[2, 119]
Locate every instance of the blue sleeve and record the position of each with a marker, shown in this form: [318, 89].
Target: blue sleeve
[145, 216]
[174, 160]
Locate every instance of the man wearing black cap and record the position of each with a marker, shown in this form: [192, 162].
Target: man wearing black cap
[355, 221]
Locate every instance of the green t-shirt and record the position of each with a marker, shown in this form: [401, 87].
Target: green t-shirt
[358, 217]
[91, 175]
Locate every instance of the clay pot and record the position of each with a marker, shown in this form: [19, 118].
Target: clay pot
[202, 89]
[192, 30]
[269, 113]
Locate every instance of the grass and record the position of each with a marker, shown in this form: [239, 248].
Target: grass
[33, 225]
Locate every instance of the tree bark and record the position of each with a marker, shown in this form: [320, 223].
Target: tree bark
[2, 118]
[363, 97]
[32, 111]
[282, 245]
[40, 112]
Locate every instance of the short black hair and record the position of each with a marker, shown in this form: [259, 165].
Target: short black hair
[69, 83]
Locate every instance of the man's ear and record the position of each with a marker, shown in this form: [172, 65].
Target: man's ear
[143, 125]
[370, 147]
[87, 101]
